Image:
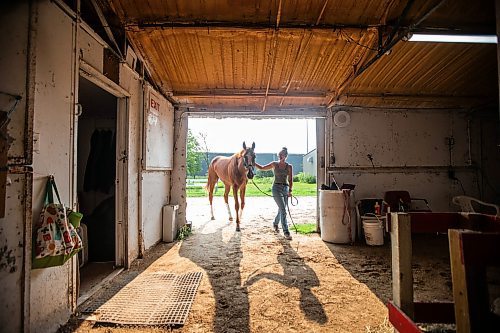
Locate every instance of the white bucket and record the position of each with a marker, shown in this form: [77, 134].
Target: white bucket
[337, 219]
[374, 231]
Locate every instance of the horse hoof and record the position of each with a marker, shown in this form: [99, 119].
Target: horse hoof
[231, 219]
[213, 218]
[238, 228]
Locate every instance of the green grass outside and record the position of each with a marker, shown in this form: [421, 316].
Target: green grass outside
[305, 228]
[196, 188]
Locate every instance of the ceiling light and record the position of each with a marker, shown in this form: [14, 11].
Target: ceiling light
[483, 39]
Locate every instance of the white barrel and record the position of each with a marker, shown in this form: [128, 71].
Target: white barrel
[336, 216]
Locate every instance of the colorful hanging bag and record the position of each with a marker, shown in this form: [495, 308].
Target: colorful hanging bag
[55, 239]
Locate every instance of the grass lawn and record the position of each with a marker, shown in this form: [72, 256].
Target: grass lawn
[196, 188]
[304, 228]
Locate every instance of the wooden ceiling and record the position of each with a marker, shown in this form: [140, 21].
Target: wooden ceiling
[302, 56]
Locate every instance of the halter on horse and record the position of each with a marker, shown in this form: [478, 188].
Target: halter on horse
[234, 172]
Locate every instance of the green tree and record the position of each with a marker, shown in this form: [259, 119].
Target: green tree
[193, 155]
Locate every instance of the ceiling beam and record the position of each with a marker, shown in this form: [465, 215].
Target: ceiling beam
[320, 16]
[245, 93]
[247, 112]
[245, 25]
[275, 42]
[106, 26]
[484, 29]
[410, 96]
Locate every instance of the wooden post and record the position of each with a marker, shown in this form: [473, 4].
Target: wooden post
[470, 253]
[402, 276]
[460, 295]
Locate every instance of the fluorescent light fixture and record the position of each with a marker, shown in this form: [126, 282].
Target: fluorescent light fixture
[483, 39]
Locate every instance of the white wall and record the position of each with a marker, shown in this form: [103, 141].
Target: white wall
[14, 20]
[409, 152]
[52, 289]
[178, 186]
[48, 296]
[157, 162]
[133, 84]
[155, 195]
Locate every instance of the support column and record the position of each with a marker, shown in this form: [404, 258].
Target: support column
[402, 276]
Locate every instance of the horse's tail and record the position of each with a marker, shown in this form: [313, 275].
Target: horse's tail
[212, 176]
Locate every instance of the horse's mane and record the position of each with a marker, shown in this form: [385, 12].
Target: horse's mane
[235, 170]
[239, 154]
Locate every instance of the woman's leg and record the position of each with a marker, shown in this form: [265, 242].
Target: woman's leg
[280, 194]
[276, 196]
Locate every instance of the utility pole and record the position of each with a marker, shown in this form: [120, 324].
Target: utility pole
[307, 136]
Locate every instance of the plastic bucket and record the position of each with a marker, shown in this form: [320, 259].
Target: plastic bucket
[374, 231]
[337, 219]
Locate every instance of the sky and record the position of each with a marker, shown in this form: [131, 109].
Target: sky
[270, 135]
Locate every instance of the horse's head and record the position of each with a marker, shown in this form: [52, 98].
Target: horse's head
[249, 159]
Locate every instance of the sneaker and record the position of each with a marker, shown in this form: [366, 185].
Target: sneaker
[288, 237]
[275, 227]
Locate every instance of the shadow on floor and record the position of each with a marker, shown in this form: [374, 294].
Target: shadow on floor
[371, 265]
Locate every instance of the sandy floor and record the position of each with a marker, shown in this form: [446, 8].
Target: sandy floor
[256, 281]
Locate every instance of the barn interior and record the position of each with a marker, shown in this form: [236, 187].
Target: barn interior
[418, 112]
[393, 113]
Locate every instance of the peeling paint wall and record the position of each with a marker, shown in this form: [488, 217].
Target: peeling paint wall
[52, 289]
[90, 50]
[43, 299]
[409, 150]
[178, 185]
[131, 82]
[11, 257]
[14, 24]
[157, 162]
[155, 195]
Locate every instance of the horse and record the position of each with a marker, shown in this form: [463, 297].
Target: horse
[234, 172]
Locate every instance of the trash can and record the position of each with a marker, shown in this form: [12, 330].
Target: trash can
[169, 220]
[337, 219]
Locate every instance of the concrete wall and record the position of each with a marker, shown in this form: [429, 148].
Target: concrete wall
[41, 300]
[409, 151]
[53, 290]
[155, 195]
[14, 25]
[131, 82]
[178, 179]
[156, 164]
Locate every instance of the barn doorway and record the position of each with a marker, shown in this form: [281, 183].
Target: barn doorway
[97, 188]
[225, 136]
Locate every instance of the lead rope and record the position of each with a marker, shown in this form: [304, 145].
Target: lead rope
[347, 209]
[292, 197]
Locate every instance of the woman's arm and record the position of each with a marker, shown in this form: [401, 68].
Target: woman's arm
[268, 166]
[290, 178]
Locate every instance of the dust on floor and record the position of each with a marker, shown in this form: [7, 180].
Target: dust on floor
[257, 281]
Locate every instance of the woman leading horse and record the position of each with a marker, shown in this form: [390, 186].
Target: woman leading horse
[234, 172]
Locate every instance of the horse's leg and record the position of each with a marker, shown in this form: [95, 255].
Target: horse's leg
[243, 189]
[227, 188]
[236, 206]
[211, 182]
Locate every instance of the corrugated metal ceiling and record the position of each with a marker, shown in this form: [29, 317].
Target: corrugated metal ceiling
[302, 55]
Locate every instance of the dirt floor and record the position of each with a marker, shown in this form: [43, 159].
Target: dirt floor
[256, 281]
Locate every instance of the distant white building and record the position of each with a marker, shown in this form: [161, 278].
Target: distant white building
[309, 163]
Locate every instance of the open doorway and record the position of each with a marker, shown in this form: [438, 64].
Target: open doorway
[224, 137]
[96, 189]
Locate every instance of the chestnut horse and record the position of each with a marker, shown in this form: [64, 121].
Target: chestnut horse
[234, 172]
